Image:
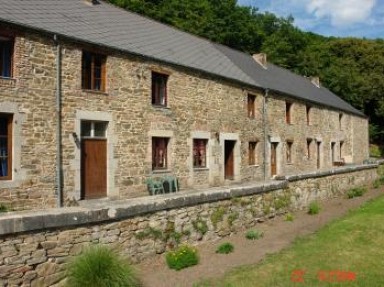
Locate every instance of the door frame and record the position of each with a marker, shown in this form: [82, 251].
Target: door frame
[319, 154]
[75, 165]
[231, 144]
[222, 137]
[84, 195]
[276, 146]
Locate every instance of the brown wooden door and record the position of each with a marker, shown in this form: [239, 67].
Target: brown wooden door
[273, 159]
[318, 154]
[93, 168]
[229, 159]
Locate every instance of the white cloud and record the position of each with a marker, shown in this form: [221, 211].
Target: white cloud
[342, 12]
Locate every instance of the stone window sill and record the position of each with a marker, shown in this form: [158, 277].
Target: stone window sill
[197, 169]
[254, 165]
[161, 171]
[289, 163]
[160, 107]
[7, 82]
[95, 92]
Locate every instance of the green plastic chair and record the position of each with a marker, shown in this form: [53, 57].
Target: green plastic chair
[154, 186]
[172, 183]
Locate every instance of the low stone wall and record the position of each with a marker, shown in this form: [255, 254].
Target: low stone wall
[35, 246]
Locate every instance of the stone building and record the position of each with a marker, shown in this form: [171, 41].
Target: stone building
[94, 100]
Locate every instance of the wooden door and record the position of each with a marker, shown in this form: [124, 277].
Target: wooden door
[93, 168]
[229, 159]
[318, 154]
[333, 144]
[273, 159]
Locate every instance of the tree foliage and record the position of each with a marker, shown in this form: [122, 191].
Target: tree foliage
[351, 68]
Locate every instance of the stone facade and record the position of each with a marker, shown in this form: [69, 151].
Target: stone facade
[199, 106]
[32, 256]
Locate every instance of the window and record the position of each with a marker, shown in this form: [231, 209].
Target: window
[340, 121]
[288, 107]
[6, 52]
[309, 142]
[333, 144]
[93, 71]
[5, 147]
[93, 129]
[159, 89]
[159, 153]
[289, 151]
[200, 153]
[341, 150]
[251, 106]
[252, 158]
[308, 113]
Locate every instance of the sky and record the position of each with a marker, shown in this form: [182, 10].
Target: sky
[340, 18]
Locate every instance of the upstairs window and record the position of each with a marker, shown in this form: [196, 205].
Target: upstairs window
[252, 157]
[200, 153]
[159, 89]
[93, 71]
[289, 145]
[288, 108]
[159, 153]
[5, 147]
[340, 121]
[308, 113]
[6, 53]
[251, 106]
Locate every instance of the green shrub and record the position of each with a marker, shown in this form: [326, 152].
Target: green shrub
[3, 207]
[378, 182]
[289, 217]
[232, 217]
[357, 191]
[182, 257]
[200, 225]
[253, 234]
[374, 151]
[99, 266]
[217, 216]
[225, 248]
[314, 208]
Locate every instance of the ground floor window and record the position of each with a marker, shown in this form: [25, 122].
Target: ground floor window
[200, 153]
[252, 159]
[309, 142]
[5, 147]
[289, 145]
[159, 153]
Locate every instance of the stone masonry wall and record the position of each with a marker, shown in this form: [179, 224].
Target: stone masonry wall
[33, 256]
[198, 105]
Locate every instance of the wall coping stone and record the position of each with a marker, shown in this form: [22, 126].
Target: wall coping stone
[324, 173]
[104, 210]
[98, 211]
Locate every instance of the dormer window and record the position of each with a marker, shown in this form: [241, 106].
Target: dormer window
[6, 56]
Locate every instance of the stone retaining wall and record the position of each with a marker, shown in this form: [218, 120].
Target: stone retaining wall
[35, 246]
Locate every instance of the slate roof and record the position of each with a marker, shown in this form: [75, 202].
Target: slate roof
[110, 26]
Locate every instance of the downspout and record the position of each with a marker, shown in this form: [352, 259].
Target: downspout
[59, 164]
[265, 129]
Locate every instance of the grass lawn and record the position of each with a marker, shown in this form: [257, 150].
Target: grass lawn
[348, 252]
